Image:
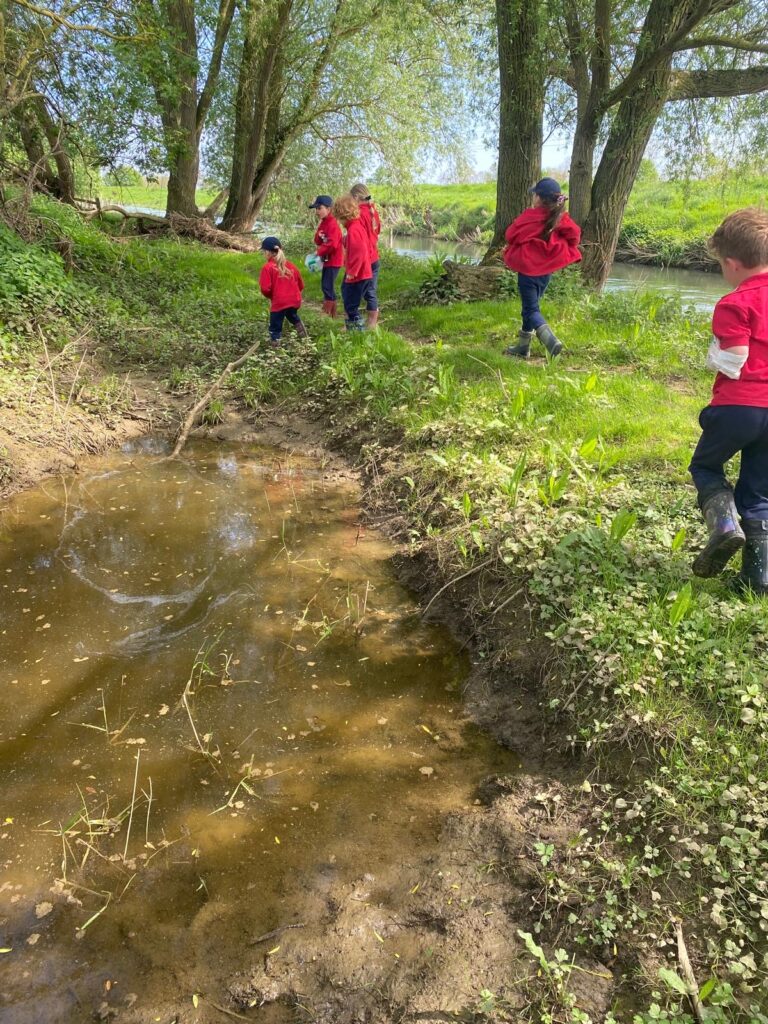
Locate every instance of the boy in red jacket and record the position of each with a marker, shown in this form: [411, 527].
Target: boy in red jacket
[330, 250]
[540, 241]
[736, 420]
[369, 215]
[357, 263]
[281, 282]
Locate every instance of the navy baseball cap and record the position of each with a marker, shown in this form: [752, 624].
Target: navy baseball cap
[547, 188]
[271, 243]
[321, 201]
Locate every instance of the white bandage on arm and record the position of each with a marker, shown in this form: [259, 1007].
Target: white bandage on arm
[727, 361]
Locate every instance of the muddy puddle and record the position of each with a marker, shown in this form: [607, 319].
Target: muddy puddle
[218, 708]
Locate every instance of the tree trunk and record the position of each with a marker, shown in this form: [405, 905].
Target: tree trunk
[258, 93]
[582, 162]
[644, 94]
[64, 187]
[179, 111]
[521, 109]
[591, 82]
[182, 180]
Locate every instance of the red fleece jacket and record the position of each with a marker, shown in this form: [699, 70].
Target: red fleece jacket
[328, 241]
[358, 252]
[369, 215]
[528, 253]
[285, 292]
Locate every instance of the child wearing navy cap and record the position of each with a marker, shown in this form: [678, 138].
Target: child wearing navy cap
[736, 419]
[329, 248]
[281, 282]
[540, 241]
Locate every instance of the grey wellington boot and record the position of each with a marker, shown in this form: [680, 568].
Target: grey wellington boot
[725, 534]
[549, 340]
[301, 329]
[754, 564]
[523, 347]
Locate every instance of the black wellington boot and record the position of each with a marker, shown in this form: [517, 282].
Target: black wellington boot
[549, 340]
[725, 534]
[523, 347]
[754, 564]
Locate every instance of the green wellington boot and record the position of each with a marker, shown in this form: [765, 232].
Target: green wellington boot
[725, 534]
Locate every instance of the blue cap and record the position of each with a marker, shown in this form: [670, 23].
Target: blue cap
[547, 188]
[321, 201]
[271, 243]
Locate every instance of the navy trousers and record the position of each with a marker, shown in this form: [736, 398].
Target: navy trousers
[371, 292]
[328, 282]
[531, 290]
[276, 322]
[726, 430]
[352, 294]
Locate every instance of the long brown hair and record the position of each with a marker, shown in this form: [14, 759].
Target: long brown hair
[556, 208]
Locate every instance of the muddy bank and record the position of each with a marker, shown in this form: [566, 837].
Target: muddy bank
[55, 413]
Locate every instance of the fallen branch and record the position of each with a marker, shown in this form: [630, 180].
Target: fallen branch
[688, 975]
[456, 579]
[198, 407]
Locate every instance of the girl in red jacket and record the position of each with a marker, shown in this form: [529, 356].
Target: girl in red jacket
[329, 249]
[281, 282]
[540, 241]
[358, 274]
[369, 215]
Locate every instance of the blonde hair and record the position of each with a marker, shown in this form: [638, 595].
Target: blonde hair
[279, 257]
[346, 208]
[360, 191]
[743, 236]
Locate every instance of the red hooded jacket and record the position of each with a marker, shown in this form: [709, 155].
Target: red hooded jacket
[528, 253]
[328, 241]
[358, 252]
[369, 215]
[285, 292]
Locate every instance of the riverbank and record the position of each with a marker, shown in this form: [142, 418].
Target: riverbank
[549, 501]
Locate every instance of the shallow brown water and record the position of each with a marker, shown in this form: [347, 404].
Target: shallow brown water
[321, 736]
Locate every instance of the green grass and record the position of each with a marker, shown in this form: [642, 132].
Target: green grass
[150, 196]
[569, 479]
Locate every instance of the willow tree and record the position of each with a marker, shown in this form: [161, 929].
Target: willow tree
[622, 82]
[178, 47]
[521, 34]
[317, 80]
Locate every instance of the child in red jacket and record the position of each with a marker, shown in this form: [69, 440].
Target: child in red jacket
[369, 215]
[357, 263]
[736, 420]
[281, 282]
[330, 250]
[540, 241]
